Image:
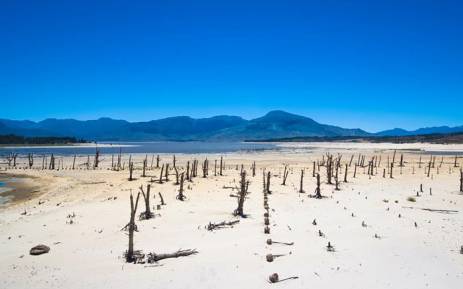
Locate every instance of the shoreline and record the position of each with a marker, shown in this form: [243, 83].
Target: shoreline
[20, 188]
[80, 145]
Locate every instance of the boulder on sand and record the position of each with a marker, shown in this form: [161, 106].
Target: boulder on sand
[39, 250]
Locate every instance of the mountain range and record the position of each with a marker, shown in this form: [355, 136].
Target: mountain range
[275, 124]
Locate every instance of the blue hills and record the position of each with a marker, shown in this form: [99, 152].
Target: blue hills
[275, 124]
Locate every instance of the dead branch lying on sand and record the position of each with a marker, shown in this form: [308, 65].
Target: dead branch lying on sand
[270, 242]
[221, 225]
[153, 257]
[274, 278]
[236, 196]
[433, 210]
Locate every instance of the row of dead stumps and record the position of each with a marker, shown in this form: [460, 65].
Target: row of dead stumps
[274, 277]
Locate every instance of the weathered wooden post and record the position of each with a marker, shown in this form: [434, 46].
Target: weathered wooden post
[301, 183]
[285, 175]
[96, 161]
[31, 160]
[429, 168]
[130, 171]
[176, 176]
[161, 174]
[205, 169]
[345, 174]
[329, 170]
[263, 183]
[268, 183]
[318, 193]
[241, 196]
[167, 172]
[145, 164]
[157, 161]
[180, 195]
[336, 179]
[461, 180]
[52, 162]
[221, 165]
[119, 160]
[392, 168]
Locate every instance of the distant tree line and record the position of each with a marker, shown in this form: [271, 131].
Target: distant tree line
[16, 139]
[450, 138]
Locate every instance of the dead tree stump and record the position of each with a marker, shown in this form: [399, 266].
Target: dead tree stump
[181, 196]
[130, 171]
[147, 214]
[301, 183]
[345, 174]
[129, 257]
[161, 174]
[241, 195]
[318, 193]
[285, 176]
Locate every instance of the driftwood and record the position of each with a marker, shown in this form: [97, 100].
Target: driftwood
[274, 278]
[270, 242]
[153, 257]
[271, 257]
[221, 225]
[443, 211]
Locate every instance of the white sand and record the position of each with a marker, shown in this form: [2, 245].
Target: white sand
[88, 253]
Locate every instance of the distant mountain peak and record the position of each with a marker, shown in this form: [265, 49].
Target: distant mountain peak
[274, 124]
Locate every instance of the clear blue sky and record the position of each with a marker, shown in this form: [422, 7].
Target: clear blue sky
[367, 64]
